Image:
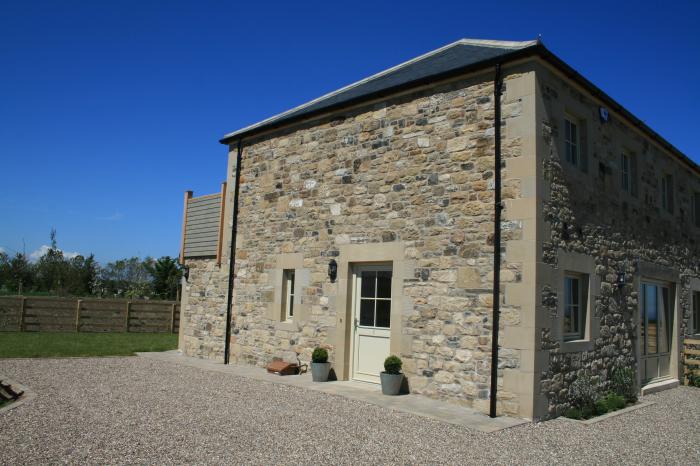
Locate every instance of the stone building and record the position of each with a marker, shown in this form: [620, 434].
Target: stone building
[392, 180]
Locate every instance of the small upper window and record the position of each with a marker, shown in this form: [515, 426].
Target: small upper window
[696, 312]
[288, 288]
[572, 144]
[696, 209]
[667, 193]
[575, 305]
[628, 173]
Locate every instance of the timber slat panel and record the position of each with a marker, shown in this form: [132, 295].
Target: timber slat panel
[52, 314]
[691, 341]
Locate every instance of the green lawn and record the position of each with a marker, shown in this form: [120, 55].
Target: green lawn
[48, 344]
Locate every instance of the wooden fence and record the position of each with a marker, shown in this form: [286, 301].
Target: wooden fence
[49, 314]
[691, 355]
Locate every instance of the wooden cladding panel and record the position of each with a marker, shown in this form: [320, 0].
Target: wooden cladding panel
[51, 314]
[202, 224]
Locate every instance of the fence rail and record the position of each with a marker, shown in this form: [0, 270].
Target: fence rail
[691, 356]
[50, 314]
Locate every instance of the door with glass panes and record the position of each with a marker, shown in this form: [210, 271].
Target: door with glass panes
[656, 330]
[371, 321]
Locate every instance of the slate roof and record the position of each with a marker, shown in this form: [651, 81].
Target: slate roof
[451, 60]
[452, 57]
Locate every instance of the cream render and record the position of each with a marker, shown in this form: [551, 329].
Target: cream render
[407, 180]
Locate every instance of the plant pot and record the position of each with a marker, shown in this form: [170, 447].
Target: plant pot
[391, 383]
[319, 371]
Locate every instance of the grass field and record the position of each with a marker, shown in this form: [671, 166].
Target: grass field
[47, 344]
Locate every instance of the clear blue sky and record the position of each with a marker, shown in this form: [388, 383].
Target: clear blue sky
[110, 110]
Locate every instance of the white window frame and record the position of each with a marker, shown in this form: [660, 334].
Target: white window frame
[572, 145]
[581, 304]
[695, 312]
[288, 282]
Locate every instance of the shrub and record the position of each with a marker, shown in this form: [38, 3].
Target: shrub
[320, 355]
[601, 407]
[693, 379]
[583, 394]
[392, 365]
[573, 413]
[615, 401]
[623, 383]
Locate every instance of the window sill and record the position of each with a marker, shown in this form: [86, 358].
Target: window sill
[573, 346]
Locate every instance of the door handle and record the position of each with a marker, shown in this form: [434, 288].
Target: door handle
[355, 322]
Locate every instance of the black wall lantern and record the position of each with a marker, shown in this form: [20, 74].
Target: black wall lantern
[186, 272]
[332, 270]
[620, 282]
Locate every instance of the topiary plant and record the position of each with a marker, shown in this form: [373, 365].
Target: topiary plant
[392, 365]
[320, 355]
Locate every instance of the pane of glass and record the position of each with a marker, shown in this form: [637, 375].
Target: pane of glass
[291, 281]
[384, 284]
[642, 313]
[291, 306]
[568, 327]
[367, 312]
[383, 313]
[575, 319]
[567, 130]
[368, 284]
[696, 312]
[652, 320]
[667, 320]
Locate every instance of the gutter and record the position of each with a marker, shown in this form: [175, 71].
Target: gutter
[497, 208]
[232, 255]
[538, 50]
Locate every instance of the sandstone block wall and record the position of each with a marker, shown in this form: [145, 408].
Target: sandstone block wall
[414, 172]
[589, 220]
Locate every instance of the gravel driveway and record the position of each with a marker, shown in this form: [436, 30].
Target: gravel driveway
[137, 410]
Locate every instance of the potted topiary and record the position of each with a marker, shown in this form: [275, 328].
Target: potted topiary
[320, 367]
[391, 378]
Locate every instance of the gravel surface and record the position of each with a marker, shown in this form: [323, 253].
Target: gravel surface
[137, 410]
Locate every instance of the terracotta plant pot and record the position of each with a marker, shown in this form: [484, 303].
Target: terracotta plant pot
[391, 383]
[319, 371]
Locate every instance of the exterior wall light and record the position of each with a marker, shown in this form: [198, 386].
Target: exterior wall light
[332, 270]
[620, 282]
[185, 272]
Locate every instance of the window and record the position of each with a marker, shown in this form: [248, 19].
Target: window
[696, 209]
[288, 293]
[575, 287]
[667, 193]
[571, 142]
[375, 298]
[695, 328]
[628, 173]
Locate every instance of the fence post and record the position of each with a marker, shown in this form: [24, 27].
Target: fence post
[128, 310]
[77, 315]
[172, 319]
[21, 313]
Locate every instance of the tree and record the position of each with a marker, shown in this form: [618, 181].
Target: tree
[21, 276]
[166, 274]
[51, 269]
[81, 276]
[126, 277]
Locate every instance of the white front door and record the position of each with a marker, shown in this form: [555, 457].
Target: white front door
[372, 321]
[655, 325]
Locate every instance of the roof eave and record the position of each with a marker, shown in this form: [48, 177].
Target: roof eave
[251, 131]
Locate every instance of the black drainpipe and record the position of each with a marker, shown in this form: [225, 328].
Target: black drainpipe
[232, 256]
[497, 88]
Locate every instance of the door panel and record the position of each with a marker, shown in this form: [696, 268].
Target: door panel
[372, 321]
[655, 324]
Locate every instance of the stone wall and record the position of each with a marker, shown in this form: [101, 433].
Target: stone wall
[586, 214]
[204, 309]
[414, 172]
